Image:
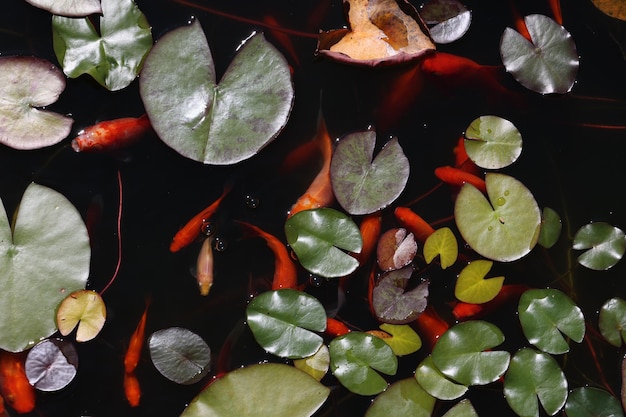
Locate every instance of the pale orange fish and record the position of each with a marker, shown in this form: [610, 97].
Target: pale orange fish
[204, 267]
[111, 134]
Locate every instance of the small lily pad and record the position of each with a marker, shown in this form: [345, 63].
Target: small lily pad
[448, 20]
[471, 285]
[605, 245]
[492, 142]
[612, 321]
[403, 339]
[69, 8]
[406, 398]
[362, 185]
[548, 64]
[51, 364]
[28, 85]
[437, 384]
[550, 228]
[396, 249]
[82, 308]
[392, 304]
[179, 355]
[443, 243]
[592, 402]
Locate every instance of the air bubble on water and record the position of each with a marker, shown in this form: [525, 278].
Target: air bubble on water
[252, 201]
[207, 228]
[219, 245]
[316, 280]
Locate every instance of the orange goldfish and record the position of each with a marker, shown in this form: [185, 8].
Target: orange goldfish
[111, 134]
[204, 267]
[132, 388]
[136, 343]
[431, 326]
[14, 385]
[457, 177]
[413, 223]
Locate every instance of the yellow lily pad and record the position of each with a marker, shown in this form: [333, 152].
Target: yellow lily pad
[403, 340]
[472, 287]
[443, 243]
[315, 365]
[82, 308]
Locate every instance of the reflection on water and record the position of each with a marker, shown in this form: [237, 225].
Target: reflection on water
[569, 161]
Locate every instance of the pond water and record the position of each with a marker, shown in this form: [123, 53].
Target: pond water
[569, 161]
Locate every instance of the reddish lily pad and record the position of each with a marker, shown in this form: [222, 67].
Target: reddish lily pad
[396, 249]
[392, 304]
[51, 364]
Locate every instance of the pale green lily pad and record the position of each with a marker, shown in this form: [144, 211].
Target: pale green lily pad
[504, 227]
[437, 384]
[443, 243]
[28, 84]
[51, 364]
[406, 398]
[492, 142]
[284, 321]
[592, 402]
[612, 321]
[244, 393]
[223, 123]
[605, 245]
[534, 377]
[113, 55]
[180, 355]
[550, 228]
[472, 286]
[321, 239]
[316, 365]
[548, 64]
[545, 314]
[362, 185]
[403, 341]
[465, 353]
[39, 266]
[69, 8]
[463, 408]
[82, 308]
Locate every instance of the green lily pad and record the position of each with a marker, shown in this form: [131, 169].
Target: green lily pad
[406, 398]
[437, 384]
[550, 228]
[27, 85]
[392, 304]
[403, 340]
[503, 228]
[545, 314]
[82, 308]
[444, 244]
[244, 393]
[464, 353]
[605, 245]
[362, 185]
[355, 359]
[179, 355]
[114, 55]
[69, 8]
[463, 408]
[471, 285]
[548, 64]
[214, 123]
[492, 142]
[283, 322]
[592, 402]
[534, 377]
[321, 239]
[612, 321]
[39, 266]
[51, 364]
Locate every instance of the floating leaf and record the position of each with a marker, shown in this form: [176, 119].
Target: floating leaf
[605, 243]
[390, 301]
[243, 393]
[39, 267]
[534, 377]
[319, 238]
[592, 402]
[51, 364]
[283, 322]
[396, 249]
[492, 142]
[612, 321]
[550, 228]
[464, 408]
[443, 243]
[448, 20]
[27, 85]
[316, 365]
[547, 65]
[436, 383]
[69, 8]
[406, 398]
[503, 228]
[403, 340]
[179, 355]
[613, 8]
[82, 308]
[213, 123]
[471, 285]
[545, 314]
[381, 32]
[464, 353]
[355, 359]
[113, 57]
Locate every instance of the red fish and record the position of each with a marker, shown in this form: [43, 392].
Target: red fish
[520, 25]
[555, 7]
[285, 272]
[414, 223]
[370, 228]
[431, 326]
[131, 359]
[335, 327]
[508, 294]
[14, 385]
[111, 134]
[462, 160]
[204, 267]
[320, 192]
[457, 177]
[281, 37]
[190, 231]
[132, 389]
[400, 94]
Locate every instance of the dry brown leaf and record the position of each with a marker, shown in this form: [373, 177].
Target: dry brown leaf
[613, 8]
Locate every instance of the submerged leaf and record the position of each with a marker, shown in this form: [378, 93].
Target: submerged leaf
[179, 355]
[605, 245]
[406, 398]
[82, 308]
[51, 364]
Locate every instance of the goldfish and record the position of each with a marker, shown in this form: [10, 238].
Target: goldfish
[320, 192]
[111, 134]
[132, 388]
[457, 177]
[14, 385]
[431, 326]
[204, 267]
[370, 228]
[285, 272]
[509, 293]
[462, 160]
[335, 327]
[414, 223]
[190, 231]
[131, 359]
[281, 37]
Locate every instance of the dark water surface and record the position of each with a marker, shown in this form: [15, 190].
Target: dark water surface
[579, 171]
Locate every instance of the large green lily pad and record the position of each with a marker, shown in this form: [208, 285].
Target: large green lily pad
[70, 8]
[504, 227]
[214, 123]
[39, 265]
[406, 398]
